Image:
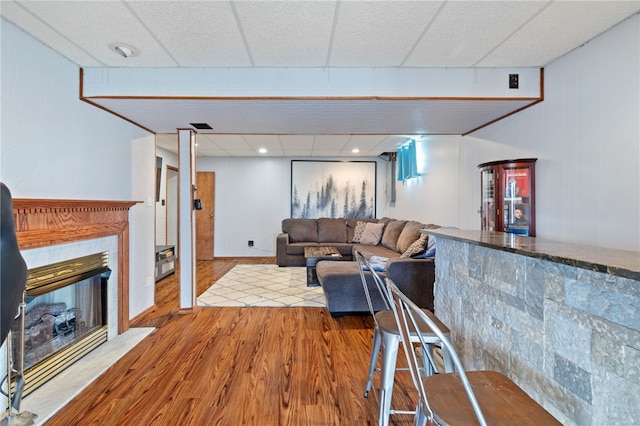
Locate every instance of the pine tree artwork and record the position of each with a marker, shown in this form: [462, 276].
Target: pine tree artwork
[326, 185]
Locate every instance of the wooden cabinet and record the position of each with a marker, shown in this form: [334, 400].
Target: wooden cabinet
[165, 261]
[508, 196]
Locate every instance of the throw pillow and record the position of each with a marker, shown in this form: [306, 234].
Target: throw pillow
[372, 234]
[417, 247]
[358, 230]
[430, 252]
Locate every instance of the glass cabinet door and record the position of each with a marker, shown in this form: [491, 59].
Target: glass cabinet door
[516, 200]
[488, 211]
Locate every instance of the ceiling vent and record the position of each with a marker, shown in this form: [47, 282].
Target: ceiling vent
[201, 126]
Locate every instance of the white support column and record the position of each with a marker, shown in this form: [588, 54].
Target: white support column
[186, 217]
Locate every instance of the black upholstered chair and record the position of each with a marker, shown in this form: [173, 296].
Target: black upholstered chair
[13, 279]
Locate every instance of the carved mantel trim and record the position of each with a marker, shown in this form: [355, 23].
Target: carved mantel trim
[47, 222]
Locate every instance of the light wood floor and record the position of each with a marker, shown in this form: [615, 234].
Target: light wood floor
[238, 366]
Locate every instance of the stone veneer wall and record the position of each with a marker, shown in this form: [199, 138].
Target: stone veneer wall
[569, 337]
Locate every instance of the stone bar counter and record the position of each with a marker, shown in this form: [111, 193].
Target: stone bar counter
[562, 320]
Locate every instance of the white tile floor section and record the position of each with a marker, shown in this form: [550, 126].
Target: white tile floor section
[263, 285]
[53, 395]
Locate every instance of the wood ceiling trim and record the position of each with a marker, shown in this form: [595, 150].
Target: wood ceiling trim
[537, 101]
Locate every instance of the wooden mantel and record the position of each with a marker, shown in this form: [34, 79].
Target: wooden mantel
[47, 222]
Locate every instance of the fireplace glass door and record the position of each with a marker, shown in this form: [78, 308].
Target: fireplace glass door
[65, 316]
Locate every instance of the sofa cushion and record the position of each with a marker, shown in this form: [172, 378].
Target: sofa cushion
[378, 250]
[372, 234]
[417, 247]
[297, 249]
[300, 230]
[391, 233]
[410, 234]
[385, 220]
[332, 230]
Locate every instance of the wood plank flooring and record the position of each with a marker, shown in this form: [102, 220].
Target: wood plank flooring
[238, 366]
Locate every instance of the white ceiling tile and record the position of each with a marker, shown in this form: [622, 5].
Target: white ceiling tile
[330, 142]
[297, 33]
[327, 153]
[210, 152]
[298, 152]
[378, 33]
[196, 33]
[227, 142]
[558, 29]
[241, 152]
[16, 13]
[297, 142]
[466, 31]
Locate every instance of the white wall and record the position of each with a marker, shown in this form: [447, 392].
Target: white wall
[252, 197]
[586, 136]
[434, 196]
[141, 228]
[55, 146]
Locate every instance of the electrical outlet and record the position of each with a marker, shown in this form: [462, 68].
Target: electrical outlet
[250, 243]
[513, 81]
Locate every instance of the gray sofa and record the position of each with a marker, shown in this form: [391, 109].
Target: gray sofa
[340, 280]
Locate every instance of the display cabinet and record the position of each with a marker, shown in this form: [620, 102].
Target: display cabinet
[508, 196]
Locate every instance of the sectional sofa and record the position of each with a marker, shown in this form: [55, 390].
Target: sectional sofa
[397, 245]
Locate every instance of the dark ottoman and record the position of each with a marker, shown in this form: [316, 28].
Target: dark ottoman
[342, 287]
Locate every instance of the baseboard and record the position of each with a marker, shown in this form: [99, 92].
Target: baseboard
[255, 259]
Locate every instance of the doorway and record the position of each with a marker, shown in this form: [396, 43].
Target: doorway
[172, 207]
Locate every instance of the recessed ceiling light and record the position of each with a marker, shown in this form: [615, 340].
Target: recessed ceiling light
[355, 150]
[124, 50]
[262, 150]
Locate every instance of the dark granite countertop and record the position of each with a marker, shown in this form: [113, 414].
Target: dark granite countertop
[623, 263]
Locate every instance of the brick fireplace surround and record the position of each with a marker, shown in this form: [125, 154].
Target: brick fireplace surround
[48, 222]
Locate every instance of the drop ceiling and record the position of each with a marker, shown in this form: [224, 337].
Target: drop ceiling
[313, 34]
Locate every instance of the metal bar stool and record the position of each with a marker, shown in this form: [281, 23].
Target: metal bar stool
[386, 340]
[459, 397]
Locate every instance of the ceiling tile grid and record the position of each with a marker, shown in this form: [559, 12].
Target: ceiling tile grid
[314, 48]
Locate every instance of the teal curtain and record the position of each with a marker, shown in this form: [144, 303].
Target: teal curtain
[407, 162]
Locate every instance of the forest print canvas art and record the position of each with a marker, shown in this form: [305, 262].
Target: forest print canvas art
[333, 189]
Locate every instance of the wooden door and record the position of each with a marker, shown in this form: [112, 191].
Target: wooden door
[205, 218]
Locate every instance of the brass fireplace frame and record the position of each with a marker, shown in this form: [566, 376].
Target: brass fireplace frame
[48, 278]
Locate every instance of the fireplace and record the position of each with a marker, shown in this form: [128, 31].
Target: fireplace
[65, 316]
[50, 231]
